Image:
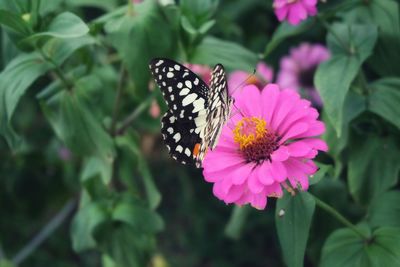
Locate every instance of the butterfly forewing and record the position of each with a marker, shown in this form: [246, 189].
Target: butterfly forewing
[184, 92]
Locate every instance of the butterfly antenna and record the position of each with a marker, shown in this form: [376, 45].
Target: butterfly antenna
[244, 82]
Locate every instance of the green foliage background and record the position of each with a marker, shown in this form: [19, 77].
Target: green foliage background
[86, 181]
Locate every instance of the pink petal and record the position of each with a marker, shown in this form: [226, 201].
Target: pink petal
[281, 154]
[278, 171]
[249, 105]
[298, 149]
[240, 174]
[235, 192]
[287, 100]
[269, 98]
[316, 143]
[295, 130]
[259, 201]
[254, 184]
[264, 173]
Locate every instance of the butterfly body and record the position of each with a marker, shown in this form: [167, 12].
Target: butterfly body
[196, 112]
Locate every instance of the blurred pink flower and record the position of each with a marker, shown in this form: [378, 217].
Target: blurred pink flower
[203, 71]
[264, 75]
[297, 70]
[154, 109]
[64, 154]
[295, 11]
[271, 146]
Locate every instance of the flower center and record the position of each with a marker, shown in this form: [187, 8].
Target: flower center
[256, 143]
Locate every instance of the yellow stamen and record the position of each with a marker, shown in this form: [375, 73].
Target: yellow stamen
[248, 131]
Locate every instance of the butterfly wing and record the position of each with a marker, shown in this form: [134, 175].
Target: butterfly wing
[185, 93]
[219, 106]
[180, 138]
[183, 126]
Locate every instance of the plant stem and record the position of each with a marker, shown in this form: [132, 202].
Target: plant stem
[117, 98]
[57, 70]
[128, 121]
[339, 217]
[46, 231]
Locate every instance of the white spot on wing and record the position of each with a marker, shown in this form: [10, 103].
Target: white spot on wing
[189, 99]
[198, 105]
[187, 152]
[177, 67]
[188, 84]
[184, 91]
[159, 62]
[196, 81]
[170, 130]
[177, 137]
[179, 149]
[170, 74]
[179, 85]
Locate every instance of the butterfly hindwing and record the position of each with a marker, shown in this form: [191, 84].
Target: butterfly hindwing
[180, 138]
[185, 93]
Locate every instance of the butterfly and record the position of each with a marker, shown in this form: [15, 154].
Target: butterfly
[196, 112]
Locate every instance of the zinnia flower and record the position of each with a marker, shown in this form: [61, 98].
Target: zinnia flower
[268, 145]
[294, 11]
[297, 70]
[264, 75]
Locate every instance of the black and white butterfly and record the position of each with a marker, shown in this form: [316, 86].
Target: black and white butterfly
[196, 113]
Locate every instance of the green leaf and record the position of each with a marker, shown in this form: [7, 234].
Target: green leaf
[384, 14]
[384, 210]
[212, 51]
[385, 98]
[125, 246]
[153, 195]
[344, 248]
[97, 166]
[75, 124]
[84, 224]
[14, 22]
[140, 37]
[373, 166]
[138, 216]
[293, 220]
[284, 31]
[198, 12]
[106, 5]
[350, 46]
[236, 222]
[15, 79]
[61, 49]
[6, 263]
[321, 173]
[65, 25]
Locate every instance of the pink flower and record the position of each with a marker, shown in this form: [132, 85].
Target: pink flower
[297, 70]
[294, 11]
[201, 70]
[264, 75]
[268, 145]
